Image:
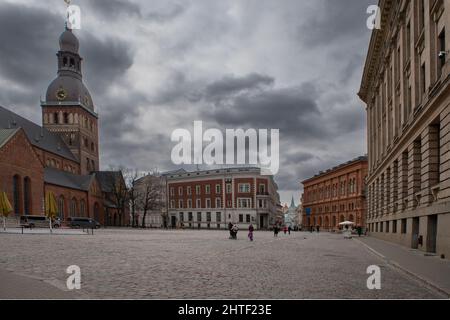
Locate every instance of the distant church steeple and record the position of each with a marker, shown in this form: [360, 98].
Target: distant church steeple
[293, 203]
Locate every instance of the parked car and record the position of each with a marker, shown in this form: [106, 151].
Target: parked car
[85, 223]
[29, 221]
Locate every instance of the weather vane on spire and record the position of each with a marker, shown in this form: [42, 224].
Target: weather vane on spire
[67, 2]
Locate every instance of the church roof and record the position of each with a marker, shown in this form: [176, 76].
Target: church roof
[68, 180]
[107, 178]
[38, 136]
[6, 134]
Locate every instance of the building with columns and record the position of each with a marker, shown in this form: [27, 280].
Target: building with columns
[336, 195]
[212, 199]
[406, 89]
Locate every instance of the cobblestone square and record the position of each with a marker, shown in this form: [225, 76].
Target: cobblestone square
[157, 264]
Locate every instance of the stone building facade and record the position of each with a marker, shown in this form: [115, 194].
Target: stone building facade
[335, 196]
[406, 89]
[212, 199]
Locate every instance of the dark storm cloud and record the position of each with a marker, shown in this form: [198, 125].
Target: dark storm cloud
[112, 8]
[288, 109]
[107, 60]
[27, 38]
[335, 21]
[116, 9]
[231, 85]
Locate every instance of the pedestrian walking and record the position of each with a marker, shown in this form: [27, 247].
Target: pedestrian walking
[359, 231]
[275, 231]
[318, 229]
[230, 227]
[234, 231]
[289, 230]
[250, 232]
[285, 229]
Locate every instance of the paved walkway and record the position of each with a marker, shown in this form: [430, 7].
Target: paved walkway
[430, 269]
[155, 264]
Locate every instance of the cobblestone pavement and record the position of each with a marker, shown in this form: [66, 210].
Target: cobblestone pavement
[149, 264]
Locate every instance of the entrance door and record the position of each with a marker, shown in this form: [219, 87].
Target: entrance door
[261, 222]
[432, 233]
[415, 233]
[173, 221]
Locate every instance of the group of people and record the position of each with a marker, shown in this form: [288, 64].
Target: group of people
[233, 228]
[286, 230]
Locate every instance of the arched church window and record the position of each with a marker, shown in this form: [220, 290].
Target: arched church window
[66, 118]
[55, 117]
[82, 208]
[16, 194]
[61, 207]
[27, 195]
[73, 207]
[65, 61]
[72, 63]
[70, 118]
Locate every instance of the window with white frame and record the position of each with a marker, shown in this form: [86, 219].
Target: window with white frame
[218, 189]
[208, 203]
[244, 187]
[189, 190]
[262, 188]
[229, 188]
[244, 203]
[172, 204]
[172, 191]
[218, 203]
[199, 203]
[180, 204]
[189, 203]
[208, 189]
[180, 191]
[197, 190]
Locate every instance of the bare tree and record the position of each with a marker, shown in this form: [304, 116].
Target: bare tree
[132, 178]
[151, 196]
[118, 191]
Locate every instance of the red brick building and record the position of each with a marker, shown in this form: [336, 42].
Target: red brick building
[62, 156]
[336, 195]
[214, 198]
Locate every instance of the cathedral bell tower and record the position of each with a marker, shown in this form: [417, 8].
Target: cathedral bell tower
[68, 109]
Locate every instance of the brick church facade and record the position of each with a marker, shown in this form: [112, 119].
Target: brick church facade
[62, 155]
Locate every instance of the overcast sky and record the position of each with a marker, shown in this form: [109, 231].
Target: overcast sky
[157, 65]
